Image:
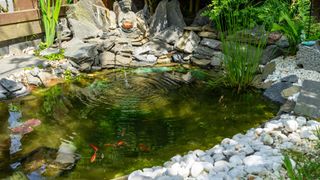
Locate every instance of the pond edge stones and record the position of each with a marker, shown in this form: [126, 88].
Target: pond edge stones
[256, 154]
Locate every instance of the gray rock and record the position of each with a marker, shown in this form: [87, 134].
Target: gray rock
[170, 35]
[65, 31]
[3, 90]
[83, 30]
[271, 52]
[216, 62]
[87, 19]
[49, 51]
[268, 69]
[10, 85]
[211, 43]
[308, 58]
[290, 78]
[33, 80]
[201, 20]
[22, 92]
[178, 57]
[4, 50]
[221, 166]
[86, 67]
[188, 42]
[159, 20]
[107, 59]
[204, 50]
[208, 34]
[283, 42]
[79, 51]
[17, 49]
[157, 48]
[204, 63]
[308, 102]
[2, 96]
[122, 60]
[45, 77]
[274, 92]
[174, 14]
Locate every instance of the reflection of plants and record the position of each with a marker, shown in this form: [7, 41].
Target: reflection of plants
[50, 14]
[52, 99]
[14, 108]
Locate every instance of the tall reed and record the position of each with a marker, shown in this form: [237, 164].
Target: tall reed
[50, 10]
[241, 59]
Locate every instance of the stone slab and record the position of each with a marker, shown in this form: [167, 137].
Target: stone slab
[308, 102]
[14, 64]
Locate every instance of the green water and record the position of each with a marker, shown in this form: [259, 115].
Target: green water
[153, 115]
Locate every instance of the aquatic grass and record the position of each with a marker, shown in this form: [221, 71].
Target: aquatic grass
[241, 59]
[50, 15]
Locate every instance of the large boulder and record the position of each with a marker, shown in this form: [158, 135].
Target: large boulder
[269, 53]
[170, 35]
[88, 18]
[309, 57]
[167, 14]
[308, 102]
[188, 42]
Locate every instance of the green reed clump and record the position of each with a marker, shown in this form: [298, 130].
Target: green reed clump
[50, 14]
[241, 59]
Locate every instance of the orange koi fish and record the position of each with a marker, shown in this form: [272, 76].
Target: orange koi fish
[95, 148]
[144, 148]
[93, 157]
[109, 145]
[120, 143]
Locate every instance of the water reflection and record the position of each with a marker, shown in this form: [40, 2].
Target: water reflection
[135, 118]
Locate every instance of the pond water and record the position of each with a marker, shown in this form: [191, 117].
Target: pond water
[136, 119]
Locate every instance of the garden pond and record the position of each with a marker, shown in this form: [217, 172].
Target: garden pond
[109, 124]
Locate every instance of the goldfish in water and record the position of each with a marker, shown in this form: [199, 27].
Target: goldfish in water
[95, 148]
[144, 148]
[120, 143]
[109, 145]
[93, 157]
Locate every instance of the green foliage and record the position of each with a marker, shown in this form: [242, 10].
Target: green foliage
[241, 60]
[52, 99]
[54, 57]
[314, 32]
[50, 14]
[69, 1]
[14, 108]
[291, 28]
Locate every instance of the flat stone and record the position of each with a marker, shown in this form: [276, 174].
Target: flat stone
[107, 59]
[290, 91]
[79, 51]
[123, 61]
[193, 28]
[15, 64]
[10, 85]
[211, 43]
[204, 50]
[201, 62]
[208, 34]
[308, 102]
[290, 78]
[283, 42]
[274, 92]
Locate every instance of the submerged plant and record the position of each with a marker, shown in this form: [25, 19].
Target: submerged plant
[50, 14]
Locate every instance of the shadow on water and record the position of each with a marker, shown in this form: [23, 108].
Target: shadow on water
[135, 119]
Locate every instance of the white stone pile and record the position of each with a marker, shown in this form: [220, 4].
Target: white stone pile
[288, 66]
[254, 155]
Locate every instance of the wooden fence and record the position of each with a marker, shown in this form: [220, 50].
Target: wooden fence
[24, 21]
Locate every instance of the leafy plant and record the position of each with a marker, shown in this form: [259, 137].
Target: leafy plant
[50, 14]
[291, 28]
